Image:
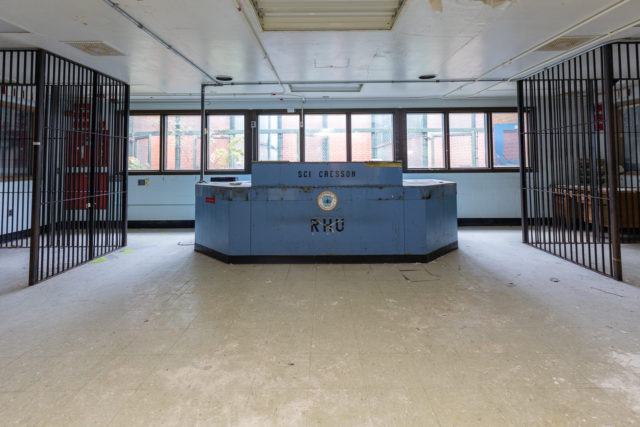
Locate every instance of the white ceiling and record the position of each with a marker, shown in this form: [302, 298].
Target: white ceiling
[467, 40]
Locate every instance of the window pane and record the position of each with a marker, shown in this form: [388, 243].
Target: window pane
[371, 137]
[279, 137]
[144, 143]
[506, 143]
[425, 141]
[183, 142]
[325, 138]
[468, 142]
[226, 142]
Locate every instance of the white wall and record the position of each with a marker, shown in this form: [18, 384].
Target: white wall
[484, 195]
[15, 196]
[165, 198]
[480, 195]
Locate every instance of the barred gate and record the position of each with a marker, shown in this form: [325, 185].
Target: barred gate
[579, 142]
[17, 100]
[76, 141]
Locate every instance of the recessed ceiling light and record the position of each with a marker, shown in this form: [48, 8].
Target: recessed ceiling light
[427, 77]
[326, 87]
[223, 78]
[326, 15]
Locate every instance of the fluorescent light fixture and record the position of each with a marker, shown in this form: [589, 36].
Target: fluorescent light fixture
[326, 87]
[326, 15]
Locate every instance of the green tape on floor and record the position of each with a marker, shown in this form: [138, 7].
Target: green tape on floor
[127, 251]
[97, 260]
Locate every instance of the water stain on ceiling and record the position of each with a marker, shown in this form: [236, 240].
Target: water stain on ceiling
[436, 5]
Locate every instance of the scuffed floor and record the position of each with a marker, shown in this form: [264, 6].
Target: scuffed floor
[496, 333]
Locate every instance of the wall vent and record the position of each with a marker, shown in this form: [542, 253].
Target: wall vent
[95, 48]
[565, 43]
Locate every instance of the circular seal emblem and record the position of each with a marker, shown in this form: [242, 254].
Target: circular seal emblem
[327, 200]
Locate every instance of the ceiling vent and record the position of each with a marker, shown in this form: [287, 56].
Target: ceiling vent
[326, 15]
[95, 48]
[565, 43]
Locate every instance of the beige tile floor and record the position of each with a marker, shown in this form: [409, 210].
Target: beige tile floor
[166, 336]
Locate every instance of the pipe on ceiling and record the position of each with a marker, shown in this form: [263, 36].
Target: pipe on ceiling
[268, 58]
[547, 41]
[565, 55]
[334, 82]
[157, 38]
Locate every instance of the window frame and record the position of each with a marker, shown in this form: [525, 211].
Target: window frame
[347, 130]
[492, 142]
[445, 137]
[165, 159]
[256, 130]
[399, 136]
[395, 130]
[247, 142]
[448, 169]
[160, 150]
[395, 113]
[487, 146]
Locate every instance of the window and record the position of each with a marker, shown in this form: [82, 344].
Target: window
[226, 142]
[506, 142]
[371, 137]
[279, 137]
[183, 143]
[449, 140]
[467, 140]
[425, 141]
[144, 143]
[325, 138]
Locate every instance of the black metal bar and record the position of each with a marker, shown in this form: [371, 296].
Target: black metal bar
[4, 90]
[38, 119]
[523, 178]
[91, 208]
[612, 159]
[203, 134]
[125, 166]
[349, 136]
[447, 141]
[399, 134]
[624, 141]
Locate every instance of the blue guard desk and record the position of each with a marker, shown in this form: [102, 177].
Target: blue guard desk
[355, 212]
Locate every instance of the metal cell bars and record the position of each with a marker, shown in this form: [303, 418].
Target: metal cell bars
[17, 100]
[110, 165]
[569, 182]
[626, 65]
[83, 171]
